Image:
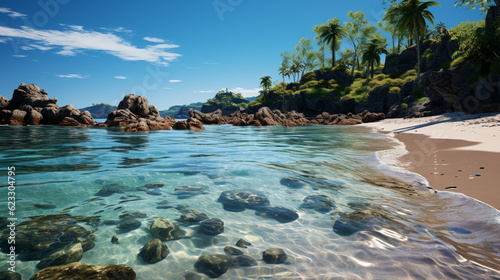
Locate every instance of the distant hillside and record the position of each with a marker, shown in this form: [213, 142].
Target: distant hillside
[181, 111]
[99, 111]
[225, 100]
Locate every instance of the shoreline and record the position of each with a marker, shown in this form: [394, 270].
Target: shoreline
[453, 152]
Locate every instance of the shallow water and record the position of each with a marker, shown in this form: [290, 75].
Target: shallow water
[412, 234]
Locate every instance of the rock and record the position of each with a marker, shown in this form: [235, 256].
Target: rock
[214, 117]
[232, 251]
[45, 206]
[17, 117]
[4, 102]
[239, 200]
[115, 239]
[403, 62]
[292, 182]
[274, 256]
[165, 230]
[319, 203]
[368, 117]
[9, 275]
[190, 124]
[132, 215]
[380, 100]
[67, 121]
[156, 192]
[41, 236]
[111, 189]
[192, 216]
[267, 117]
[136, 115]
[69, 254]
[86, 271]
[213, 265]
[243, 243]
[31, 106]
[129, 224]
[154, 186]
[280, 214]
[347, 227]
[211, 227]
[154, 251]
[243, 261]
[183, 192]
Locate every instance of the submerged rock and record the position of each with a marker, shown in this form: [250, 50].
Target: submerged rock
[165, 230]
[154, 186]
[154, 251]
[346, 227]
[280, 214]
[239, 200]
[115, 239]
[42, 236]
[9, 275]
[86, 271]
[213, 265]
[110, 189]
[129, 224]
[193, 276]
[243, 261]
[319, 203]
[232, 251]
[192, 216]
[291, 182]
[211, 227]
[69, 254]
[274, 256]
[183, 192]
[243, 243]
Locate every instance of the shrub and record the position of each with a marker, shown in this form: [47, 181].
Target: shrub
[458, 62]
[359, 74]
[394, 90]
[380, 77]
[422, 99]
[404, 106]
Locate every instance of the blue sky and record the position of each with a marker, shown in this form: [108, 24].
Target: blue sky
[173, 52]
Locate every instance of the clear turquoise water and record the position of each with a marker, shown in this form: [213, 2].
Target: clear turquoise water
[419, 236]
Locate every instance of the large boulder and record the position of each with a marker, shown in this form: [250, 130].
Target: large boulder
[154, 251]
[214, 117]
[137, 104]
[406, 60]
[86, 271]
[165, 230]
[30, 105]
[68, 254]
[213, 265]
[4, 102]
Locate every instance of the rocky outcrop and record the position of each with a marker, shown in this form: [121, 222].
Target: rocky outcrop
[136, 115]
[86, 271]
[451, 85]
[404, 61]
[31, 105]
[439, 52]
[337, 119]
[208, 118]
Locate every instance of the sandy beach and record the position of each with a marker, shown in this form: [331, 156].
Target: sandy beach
[454, 152]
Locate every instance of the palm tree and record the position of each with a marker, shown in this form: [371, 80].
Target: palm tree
[330, 34]
[372, 52]
[410, 15]
[265, 83]
[295, 69]
[283, 72]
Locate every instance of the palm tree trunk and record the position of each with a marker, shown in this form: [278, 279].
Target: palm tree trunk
[399, 44]
[333, 53]
[372, 68]
[418, 48]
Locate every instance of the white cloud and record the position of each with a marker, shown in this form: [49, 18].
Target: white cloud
[175, 81]
[154, 40]
[3, 40]
[211, 63]
[11, 13]
[71, 41]
[246, 92]
[72, 76]
[121, 29]
[120, 77]
[73, 27]
[19, 55]
[204, 91]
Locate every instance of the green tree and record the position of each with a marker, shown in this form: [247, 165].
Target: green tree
[285, 65]
[331, 33]
[483, 4]
[266, 83]
[358, 32]
[411, 15]
[372, 52]
[306, 56]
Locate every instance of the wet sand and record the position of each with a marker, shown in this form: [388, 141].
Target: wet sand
[454, 152]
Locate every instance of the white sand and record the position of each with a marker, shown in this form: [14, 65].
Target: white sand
[482, 128]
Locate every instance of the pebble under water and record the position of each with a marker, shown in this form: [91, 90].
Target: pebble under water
[318, 193]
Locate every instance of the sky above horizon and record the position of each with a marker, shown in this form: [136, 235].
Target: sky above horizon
[174, 52]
